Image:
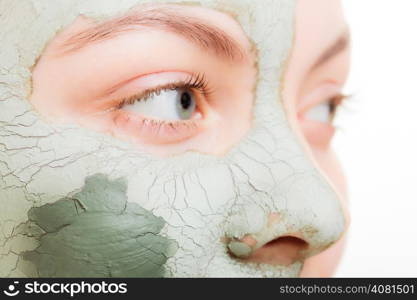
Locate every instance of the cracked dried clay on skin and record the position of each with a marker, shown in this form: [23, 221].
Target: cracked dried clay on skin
[42, 164]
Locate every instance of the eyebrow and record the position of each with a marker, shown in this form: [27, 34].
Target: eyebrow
[341, 44]
[208, 37]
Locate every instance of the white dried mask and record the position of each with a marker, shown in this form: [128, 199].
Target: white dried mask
[80, 203]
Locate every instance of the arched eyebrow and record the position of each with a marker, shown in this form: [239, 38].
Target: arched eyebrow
[341, 44]
[208, 37]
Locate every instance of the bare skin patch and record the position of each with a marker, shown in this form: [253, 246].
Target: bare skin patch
[97, 233]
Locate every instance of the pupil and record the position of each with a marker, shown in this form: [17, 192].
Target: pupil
[186, 101]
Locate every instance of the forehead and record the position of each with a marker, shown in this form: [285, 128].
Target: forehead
[58, 14]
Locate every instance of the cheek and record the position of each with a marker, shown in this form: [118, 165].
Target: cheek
[317, 133]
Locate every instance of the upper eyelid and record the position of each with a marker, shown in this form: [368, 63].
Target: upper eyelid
[325, 89]
[334, 105]
[197, 81]
[113, 89]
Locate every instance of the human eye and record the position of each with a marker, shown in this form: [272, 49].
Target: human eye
[173, 102]
[318, 114]
[171, 108]
[325, 112]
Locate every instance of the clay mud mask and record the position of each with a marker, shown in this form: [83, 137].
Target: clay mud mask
[77, 202]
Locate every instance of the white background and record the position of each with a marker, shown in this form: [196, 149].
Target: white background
[378, 140]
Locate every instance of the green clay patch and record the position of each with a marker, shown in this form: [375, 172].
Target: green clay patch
[97, 233]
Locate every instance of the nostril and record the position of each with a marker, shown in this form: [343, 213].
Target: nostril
[282, 251]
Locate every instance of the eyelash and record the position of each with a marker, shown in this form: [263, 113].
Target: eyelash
[196, 82]
[336, 102]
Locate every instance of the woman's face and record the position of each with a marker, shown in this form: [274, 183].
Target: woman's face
[181, 140]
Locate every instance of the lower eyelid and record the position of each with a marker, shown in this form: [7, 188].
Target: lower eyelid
[148, 131]
[317, 133]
